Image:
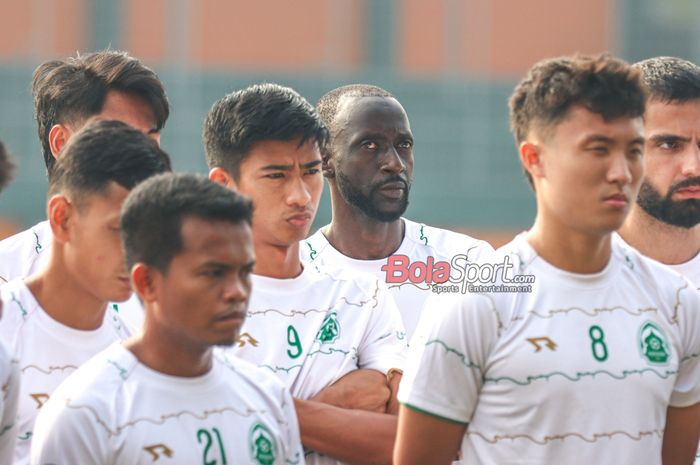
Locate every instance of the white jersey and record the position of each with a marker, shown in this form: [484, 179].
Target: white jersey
[422, 246]
[115, 410]
[689, 269]
[312, 330]
[27, 252]
[9, 397]
[47, 352]
[580, 370]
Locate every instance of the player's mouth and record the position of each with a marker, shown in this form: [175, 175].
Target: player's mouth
[393, 189]
[690, 192]
[300, 220]
[235, 317]
[618, 200]
[125, 280]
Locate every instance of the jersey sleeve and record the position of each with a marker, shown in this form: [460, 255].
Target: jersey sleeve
[384, 344]
[64, 435]
[8, 407]
[445, 370]
[686, 391]
[293, 450]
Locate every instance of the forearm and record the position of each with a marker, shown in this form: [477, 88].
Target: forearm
[352, 436]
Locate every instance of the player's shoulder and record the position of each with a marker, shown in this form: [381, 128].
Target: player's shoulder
[443, 243]
[243, 372]
[18, 306]
[100, 380]
[17, 252]
[651, 274]
[313, 246]
[332, 277]
[33, 239]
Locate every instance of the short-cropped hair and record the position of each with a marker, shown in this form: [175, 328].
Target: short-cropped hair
[259, 113]
[153, 213]
[104, 152]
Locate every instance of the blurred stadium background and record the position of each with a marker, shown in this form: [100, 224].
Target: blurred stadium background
[452, 63]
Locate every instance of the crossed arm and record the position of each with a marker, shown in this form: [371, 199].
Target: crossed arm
[681, 435]
[353, 420]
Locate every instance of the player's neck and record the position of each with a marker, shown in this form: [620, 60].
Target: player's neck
[64, 299]
[280, 262]
[662, 242]
[569, 250]
[357, 236]
[168, 353]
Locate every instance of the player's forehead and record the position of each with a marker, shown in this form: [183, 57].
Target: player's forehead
[581, 125]
[358, 113]
[216, 240]
[105, 202]
[129, 109]
[272, 154]
[672, 117]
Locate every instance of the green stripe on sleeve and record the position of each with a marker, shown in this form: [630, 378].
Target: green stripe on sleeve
[434, 415]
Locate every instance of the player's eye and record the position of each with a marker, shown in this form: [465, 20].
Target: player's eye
[407, 144]
[275, 175]
[313, 171]
[370, 145]
[669, 145]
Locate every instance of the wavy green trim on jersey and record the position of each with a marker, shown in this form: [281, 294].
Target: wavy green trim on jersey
[292, 313]
[115, 430]
[279, 368]
[674, 317]
[423, 237]
[14, 299]
[462, 358]
[593, 312]
[563, 436]
[38, 247]
[690, 357]
[312, 251]
[581, 375]
[329, 351]
[431, 414]
[121, 370]
[297, 459]
[26, 436]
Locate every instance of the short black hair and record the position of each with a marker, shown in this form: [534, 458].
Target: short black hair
[670, 79]
[327, 106]
[104, 152]
[259, 113]
[603, 84]
[7, 167]
[153, 213]
[74, 89]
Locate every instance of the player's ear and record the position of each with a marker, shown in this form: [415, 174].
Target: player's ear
[143, 279]
[327, 162]
[531, 158]
[58, 136]
[60, 212]
[223, 177]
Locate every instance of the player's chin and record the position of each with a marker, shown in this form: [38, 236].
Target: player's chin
[120, 294]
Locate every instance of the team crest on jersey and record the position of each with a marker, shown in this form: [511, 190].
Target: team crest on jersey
[653, 344]
[330, 329]
[263, 447]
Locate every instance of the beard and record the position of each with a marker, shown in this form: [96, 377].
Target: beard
[367, 203]
[681, 213]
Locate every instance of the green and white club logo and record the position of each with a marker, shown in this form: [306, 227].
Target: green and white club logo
[263, 447]
[653, 344]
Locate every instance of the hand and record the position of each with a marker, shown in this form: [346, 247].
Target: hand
[361, 389]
